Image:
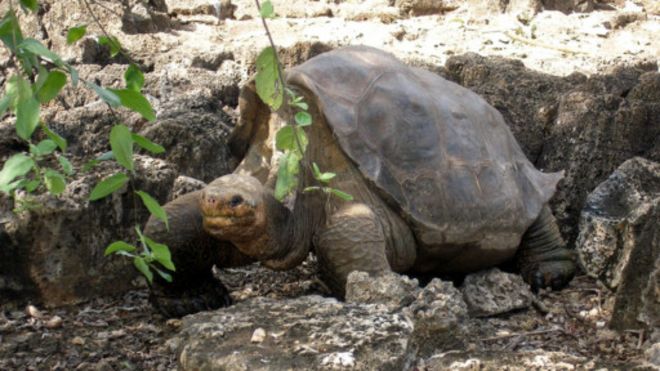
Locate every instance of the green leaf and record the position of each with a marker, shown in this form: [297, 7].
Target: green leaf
[32, 5]
[39, 49]
[267, 10]
[121, 142]
[142, 266]
[45, 147]
[75, 33]
[17, 88]
[303, 118]
[112, 42]
[312, 189]
[16, 166]
[285, 139]
[32, 185]
[326, 177]
[65, 164]
[287, 179]
[27, 117]
[161, 253]
[135, 101]
[55, 182]
[52, 86]
[134, 78]
[154, 207]
[107, 156]
[315, 170]
[166, 276]
[147, 144]
[4, 104]
[343, 195]
[302, 105]
[61, 142]
[267, 79]
[108, 185]
[119, 246]
[41, 77]
[10, 31]
[109, 97]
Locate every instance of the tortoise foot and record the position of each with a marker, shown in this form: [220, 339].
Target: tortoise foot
[551, 274]
[209, 295]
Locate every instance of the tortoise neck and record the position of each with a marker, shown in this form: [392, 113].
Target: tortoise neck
[289, 233]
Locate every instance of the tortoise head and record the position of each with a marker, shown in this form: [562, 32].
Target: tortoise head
[233, 208]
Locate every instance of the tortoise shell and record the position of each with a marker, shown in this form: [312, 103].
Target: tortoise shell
[439, 153]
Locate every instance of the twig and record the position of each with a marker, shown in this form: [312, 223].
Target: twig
[640, 336]
[542, 45]
[529, 333]
[280, 77]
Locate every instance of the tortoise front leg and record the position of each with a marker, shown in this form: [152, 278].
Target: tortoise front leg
[194, 252]
[351, 240]
[543, 259]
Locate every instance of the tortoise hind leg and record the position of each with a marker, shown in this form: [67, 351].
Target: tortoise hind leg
[543, 259]
[194, 252]
[352, 239]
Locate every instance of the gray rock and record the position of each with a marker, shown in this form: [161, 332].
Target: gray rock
[619, 241]
[426, 7]
[493, 292]
[53, 254]
[391, 289]
[439, 313]
[653, 354]
[185, 184]
[309, 332]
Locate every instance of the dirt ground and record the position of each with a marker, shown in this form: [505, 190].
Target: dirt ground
[124, 333]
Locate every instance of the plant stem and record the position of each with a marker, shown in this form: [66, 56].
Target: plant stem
[280, 76]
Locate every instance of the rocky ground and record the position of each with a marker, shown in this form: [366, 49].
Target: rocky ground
[566, 331]
[197, 55]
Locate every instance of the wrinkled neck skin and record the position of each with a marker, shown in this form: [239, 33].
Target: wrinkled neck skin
[286, 238]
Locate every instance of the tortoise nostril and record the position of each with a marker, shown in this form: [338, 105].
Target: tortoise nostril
[236, 200]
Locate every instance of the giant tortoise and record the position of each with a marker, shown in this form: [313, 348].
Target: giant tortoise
[440, 186]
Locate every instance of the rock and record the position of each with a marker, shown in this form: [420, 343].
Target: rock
[493, 292]
[391, 289]
[192, 7]
[309, 332]
[258, 336]
[185, 184]
[569, 6]
[53, 254]
[425, 7]
[619, 241]
[439, 313]
[653, 355]
[54, 322]
[140, 18]
[199, 120]
[651, 7]
[512, 361]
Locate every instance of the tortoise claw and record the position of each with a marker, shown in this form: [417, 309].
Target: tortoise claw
[207, 296]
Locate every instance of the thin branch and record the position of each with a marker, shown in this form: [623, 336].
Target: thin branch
[542, 45]
[280, 76]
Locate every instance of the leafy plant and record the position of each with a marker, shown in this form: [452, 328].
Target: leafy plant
[41, 76]
[291, 138]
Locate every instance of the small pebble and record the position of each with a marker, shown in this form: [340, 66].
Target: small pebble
[33, 312]
[258, 335]
[54, 322]
[78, 341]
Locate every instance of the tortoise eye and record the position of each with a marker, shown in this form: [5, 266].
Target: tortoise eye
[235, 201]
